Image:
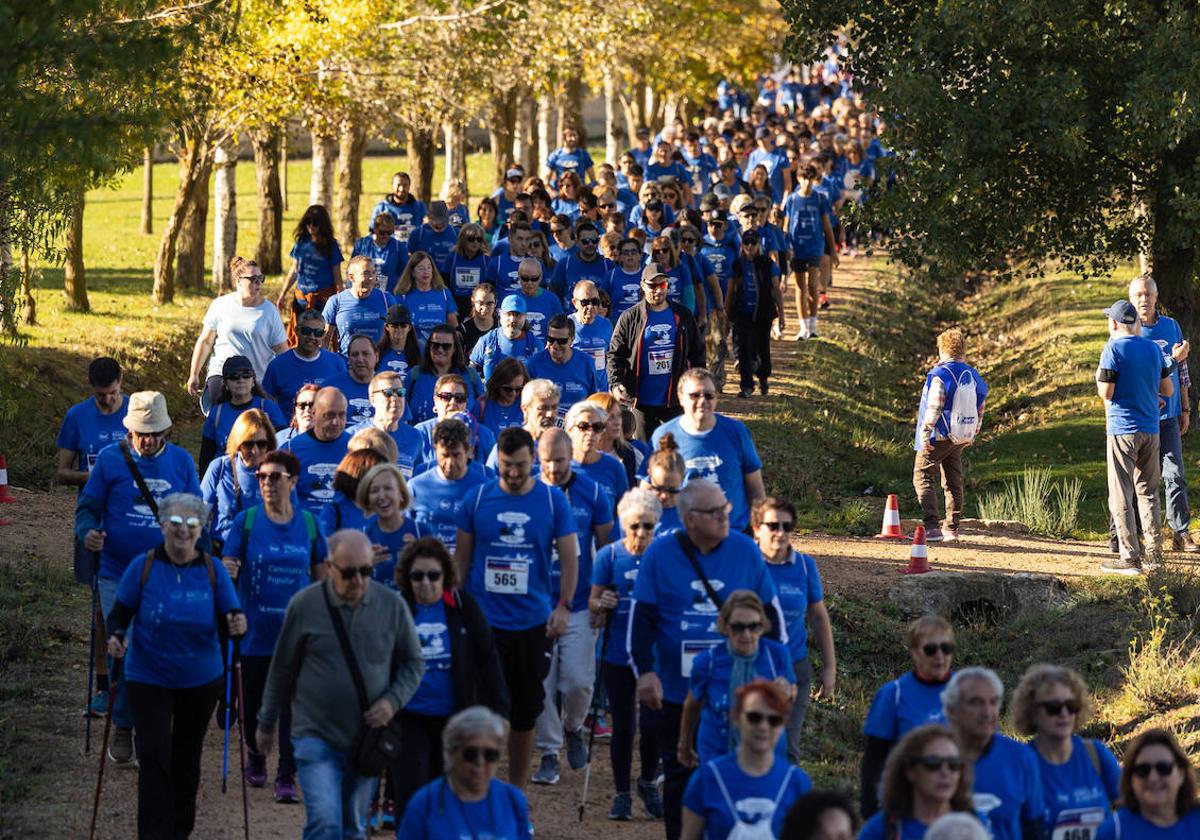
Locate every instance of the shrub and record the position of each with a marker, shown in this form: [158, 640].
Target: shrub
[1044, 505]
[1164, 665]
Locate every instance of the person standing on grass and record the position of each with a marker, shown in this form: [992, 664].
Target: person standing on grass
[945, 428]
[1175, 414]
[1133, 374]
[316, 271]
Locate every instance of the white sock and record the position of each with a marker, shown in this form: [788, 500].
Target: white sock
[812, 325]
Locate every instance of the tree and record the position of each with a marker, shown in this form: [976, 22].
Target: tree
[1031, 133]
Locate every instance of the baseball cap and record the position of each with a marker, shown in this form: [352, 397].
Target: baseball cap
[235, 364]
[652, 271]
[438, 211]
[398, 314]
[1123, 312]
[513, 175]
[514, 303]
[642, 132]
[714, 216]
[762, 133]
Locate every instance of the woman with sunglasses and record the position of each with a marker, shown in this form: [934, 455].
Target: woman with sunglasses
[613, 574]
[665, 471]
[1080, 776]
[925, 778]
[240, 391]
[501, 403]
[467, 266]
[174, 596]
[907, 701]
[303, 415]
[469, 801]
[772, 521]
[274, 550]
[754, 776]
[586, 423]
[1158, 792]
[443, 354]
[613, 441]
[229, 485]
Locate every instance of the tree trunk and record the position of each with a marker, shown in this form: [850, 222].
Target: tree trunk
[547, 142]
[269, 253]
[454, 138]
[74, 276]
[189, 257]
[615, 139]
[283, 167]
[502, 121]
[192, 168]
[225, 216]
[571, 107]
[525, 145]
[148, 190]
[1174, 261]
[351, 144]
[671, 103]
[324, 150]
[420, 147]
[29, 304]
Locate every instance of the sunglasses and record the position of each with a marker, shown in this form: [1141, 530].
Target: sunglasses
[389, 392]
[606, 206]
[432, 576]
[475, 239]
[932, 648]
[716, 224]
[1162, 768]
[190, 521]
[642, 526]
[529, 278]
[304, 406]
[255, 444]
[510, 390]
[240, 377]
[756, 718]
[697, 396]
[561, 342]
[272, 477]
[252, 278]
[1054, 708]
[659, 251]
[739, 627]
[628, 252]
[654, 284]
[450, 396]
[587, 301]
[444, 346]
[670, 491]
[471, 755]
[934, 763]
[779, 526]
[348, 575]
[593, 427]
[588, 240]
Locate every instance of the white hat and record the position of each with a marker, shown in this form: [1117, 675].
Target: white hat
[147, 413]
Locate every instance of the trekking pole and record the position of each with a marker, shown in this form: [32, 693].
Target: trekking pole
[108, 716]
[237, 664]
[587, 770]
[87, 708]
[228, 683]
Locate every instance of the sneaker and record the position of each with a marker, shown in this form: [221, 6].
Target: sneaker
[1183, 542]
[285, 790]
[98, 708]
[950, 535]
[1118, 566]
[800, 336]
[577, 751]
[651, 798]
[934, 535]
[256, 770]
[547, 772]
[746, 393]
[622, 808]
[823, 302]
[763, 388]
[598, 728]
[120, 749]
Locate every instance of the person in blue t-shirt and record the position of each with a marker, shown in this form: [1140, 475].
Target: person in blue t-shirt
[540, 304]
[508, 532]
[272, 552]
[426, 297]
[774, 159]
[903, 704]
[573, 373]
[624, 282]
[746, 793]
[570, 157]
[1158, 792]
[809, 226]
[388, 254]
[467, 266]
[1080, 777]
[398, 350]
[439, 492]
[586, 264]
[408, 212]
[663, 165]
[359, 309]
[316, 271]
[450, 402]
[361, 360]
[701, 166]
[239, 392]
[944, 431]
[305, 364]
[1008, 794]
[320, 450]
[925, 778]
[387, 396]
[182, 601]
[500, 406]
[593, 331]
[436, 237]
[443, 354]
[510, 340]
[383, 495]
[753, 302]
[772, 521]
[229, 486]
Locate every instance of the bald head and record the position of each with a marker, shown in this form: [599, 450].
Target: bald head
[554, 456]
[329, 414]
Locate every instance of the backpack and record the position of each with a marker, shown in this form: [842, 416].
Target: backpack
[964, 410]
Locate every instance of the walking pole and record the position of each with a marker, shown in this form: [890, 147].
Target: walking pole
[237, 664]
[228, 683]
[108, 715]
[87, 707]
[587, 770]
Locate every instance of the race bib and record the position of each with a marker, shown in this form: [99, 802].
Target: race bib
[466, 278]
[598, 356]
[1077, 824]
[689, 649]
[506, 576]
[660, 361]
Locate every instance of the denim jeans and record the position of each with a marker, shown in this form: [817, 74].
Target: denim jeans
[122, 717]
[335, 799]
[1170, 446]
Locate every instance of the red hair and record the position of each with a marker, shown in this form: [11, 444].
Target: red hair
[771, 694]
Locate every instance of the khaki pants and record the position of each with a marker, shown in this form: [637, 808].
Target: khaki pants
[1133, 476]
[945, 461]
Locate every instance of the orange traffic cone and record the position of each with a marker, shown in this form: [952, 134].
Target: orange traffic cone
[891, 521]
[4, 496]
[918, 558]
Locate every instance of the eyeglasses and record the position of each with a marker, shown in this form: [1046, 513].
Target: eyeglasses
[305, 406]
[592, 427]
[739, 627]
[561, 342]
[433, 576]
[588, 301]
[697, 396]
[252, 278]
[932, 648]
[670, 491]
[471, 755]
[451, 397]
[642, 526]
[608, 206]
[934, 763]
[779, 526]
[688, 240]
[389, 393]
[749, 243]
[348, 575]
[272, 477]
[476, 239]
[529, 278]
[510, 390]
[655, 284]
[716, 512]
[1054, 708]
[1163, 768]
[756, 718]
[255, 444]
[589, 240]
[443, 346]
[190, 521]
[240, 376]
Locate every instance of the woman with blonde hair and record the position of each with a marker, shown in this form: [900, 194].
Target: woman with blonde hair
[422, 290]
[229, 485]
[467, 265]
[383, 495]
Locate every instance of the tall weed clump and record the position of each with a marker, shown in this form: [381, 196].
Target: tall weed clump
[1164, 660]
[1044, 505]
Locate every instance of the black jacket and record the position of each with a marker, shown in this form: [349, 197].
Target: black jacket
[625, 349]
[764, 310]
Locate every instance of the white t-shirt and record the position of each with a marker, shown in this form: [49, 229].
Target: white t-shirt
[249, 331]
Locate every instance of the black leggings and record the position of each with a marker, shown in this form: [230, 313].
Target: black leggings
[621, 686]
[254, 682]
[753, 341]
[421, 760]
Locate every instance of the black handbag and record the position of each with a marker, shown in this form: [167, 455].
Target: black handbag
[374, 748]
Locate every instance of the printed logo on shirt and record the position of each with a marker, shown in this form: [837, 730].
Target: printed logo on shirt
[321, 484]
[534, 319]
[430, 635]
[158, 488]
[661, 334]
[704, 466]
[700, 601]
[513, 530]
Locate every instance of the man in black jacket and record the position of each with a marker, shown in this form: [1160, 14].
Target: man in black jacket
[652, 344]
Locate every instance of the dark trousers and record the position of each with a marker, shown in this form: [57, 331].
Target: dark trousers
[171, 724]
[753, 341]
[945, 461]
[422, 758]
[254, 682]
[629, 717]
[650, 417]
[675, 775]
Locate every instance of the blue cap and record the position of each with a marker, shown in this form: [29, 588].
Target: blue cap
[514, 303]
[1122, 312]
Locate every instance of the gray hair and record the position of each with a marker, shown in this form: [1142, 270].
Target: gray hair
[1146, 278]
[584, 407]
[687, 496]
[539, 389]
[347, 538]
[957, 825]
[637, 501]
[184, 504]
[312, 315]
[467, 724]
[953, 691]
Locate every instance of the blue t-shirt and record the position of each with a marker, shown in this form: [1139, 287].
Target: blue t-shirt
[1166, 334]
[394, 541]
[342, 513]
[656, 357]
[437, 501]
[805, 223]
[726, 796]
[216, 488]
[318, 464]
[465, 273]
[669, 522]
[438, 245]
[129, 525]
[1008, 788]
[609, 473]
[409, 215]
[725, 454]
[616, 568]
[1078, 798]
[701, 170]
[358, 398]
[951, 373]
[625, 290]
[435, 813]
[876, 828]
[686, 617]
[902, 705]
[435, 694]
[353, 315]
[496, 418]
[799, 586]
[575, 378]
[1126, 825]
[287, 373]
[409, 443]
[709, 685]
[591, 509]
[276, 564]
[593, 340]
[389, 260]
[540, 309]
[315, 270]
[85, 431]
[459, 214]
[174, 641]
[219, 422]
[394, 361]
[428, 310]
[775, 162]
[575, 160]
[482, 441]
[495, 347]
[672, 169]
[1137, 366]
[513, 554]
[720, 257]
[502, 273]
[572, 268]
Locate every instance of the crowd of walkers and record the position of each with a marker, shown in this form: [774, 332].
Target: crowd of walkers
[426, 538]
